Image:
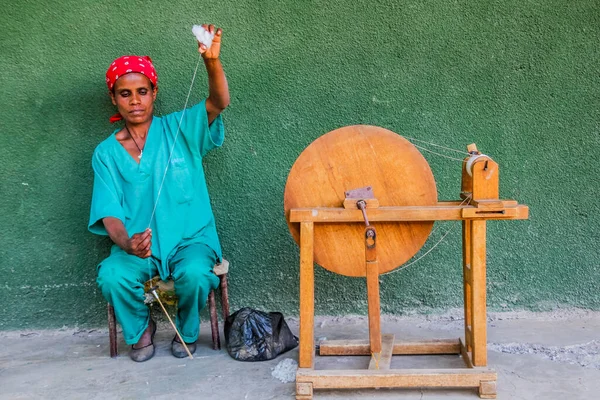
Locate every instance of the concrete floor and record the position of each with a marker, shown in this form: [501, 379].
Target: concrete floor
[537, 356]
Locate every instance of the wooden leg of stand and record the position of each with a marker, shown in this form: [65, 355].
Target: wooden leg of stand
[374, 307]
[307, 297]
[478, 290]
[467, 282]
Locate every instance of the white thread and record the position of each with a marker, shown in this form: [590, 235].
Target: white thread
[434, 246]
[471, 161]
[174, 142]
[430, 250]
[438, 154]
[436, 145]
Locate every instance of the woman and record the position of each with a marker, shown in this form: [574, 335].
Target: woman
[159, 218]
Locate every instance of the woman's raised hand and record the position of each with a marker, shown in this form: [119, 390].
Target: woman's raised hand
[215, 49]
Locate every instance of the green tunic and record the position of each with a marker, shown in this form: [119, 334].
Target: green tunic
[128, 191]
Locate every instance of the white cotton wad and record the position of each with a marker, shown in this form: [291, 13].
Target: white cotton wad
[148, 298]
[203, 36]
[285, 371]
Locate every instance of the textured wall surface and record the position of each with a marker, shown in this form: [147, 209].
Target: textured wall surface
[519, 78]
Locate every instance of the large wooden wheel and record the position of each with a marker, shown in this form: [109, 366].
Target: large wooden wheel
[350, 158]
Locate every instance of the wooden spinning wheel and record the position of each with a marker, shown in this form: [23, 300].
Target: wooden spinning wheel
[354, 157]
[360, 201]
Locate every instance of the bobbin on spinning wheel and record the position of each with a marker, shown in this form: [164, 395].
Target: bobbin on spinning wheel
[356, 157]
[360, 201]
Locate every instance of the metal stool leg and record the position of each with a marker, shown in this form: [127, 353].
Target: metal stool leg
[214, 322]
[224, 296]
[112, 332]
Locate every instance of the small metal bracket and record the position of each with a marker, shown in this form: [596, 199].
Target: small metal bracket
[364, 194]
[360, 193]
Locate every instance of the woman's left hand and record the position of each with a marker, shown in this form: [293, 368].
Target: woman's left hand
[215, 48]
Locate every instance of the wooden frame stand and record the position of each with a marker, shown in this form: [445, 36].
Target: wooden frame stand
[481, 203]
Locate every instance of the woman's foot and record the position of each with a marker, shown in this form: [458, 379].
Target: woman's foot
[143, 350]
[178, 350]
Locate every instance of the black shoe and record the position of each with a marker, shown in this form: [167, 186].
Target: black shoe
[179, 351]
[144, 353]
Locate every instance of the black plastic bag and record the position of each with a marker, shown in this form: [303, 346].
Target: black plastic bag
[253, 335]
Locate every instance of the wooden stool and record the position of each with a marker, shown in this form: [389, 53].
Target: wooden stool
[166, 291]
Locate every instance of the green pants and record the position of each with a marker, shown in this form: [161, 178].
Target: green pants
[121, 280]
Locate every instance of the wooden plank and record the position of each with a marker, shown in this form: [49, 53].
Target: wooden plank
[405, 214]
[383, 360]
[374, 306]
[395, 378]
[387, 214]
[361, 347]
[307, 296]
[478, 288]
[467, 279]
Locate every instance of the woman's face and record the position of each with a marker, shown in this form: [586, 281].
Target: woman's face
[134, 97]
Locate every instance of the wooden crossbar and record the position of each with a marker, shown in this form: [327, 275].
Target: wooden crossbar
[355, 379]
[416, 347]
[451, 211]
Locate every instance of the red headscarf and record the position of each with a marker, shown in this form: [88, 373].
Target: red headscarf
[126, 64]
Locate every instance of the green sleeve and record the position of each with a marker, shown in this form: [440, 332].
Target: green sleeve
[199, 136]
[105, 197]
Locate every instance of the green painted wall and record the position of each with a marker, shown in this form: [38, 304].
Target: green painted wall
[521, 78]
